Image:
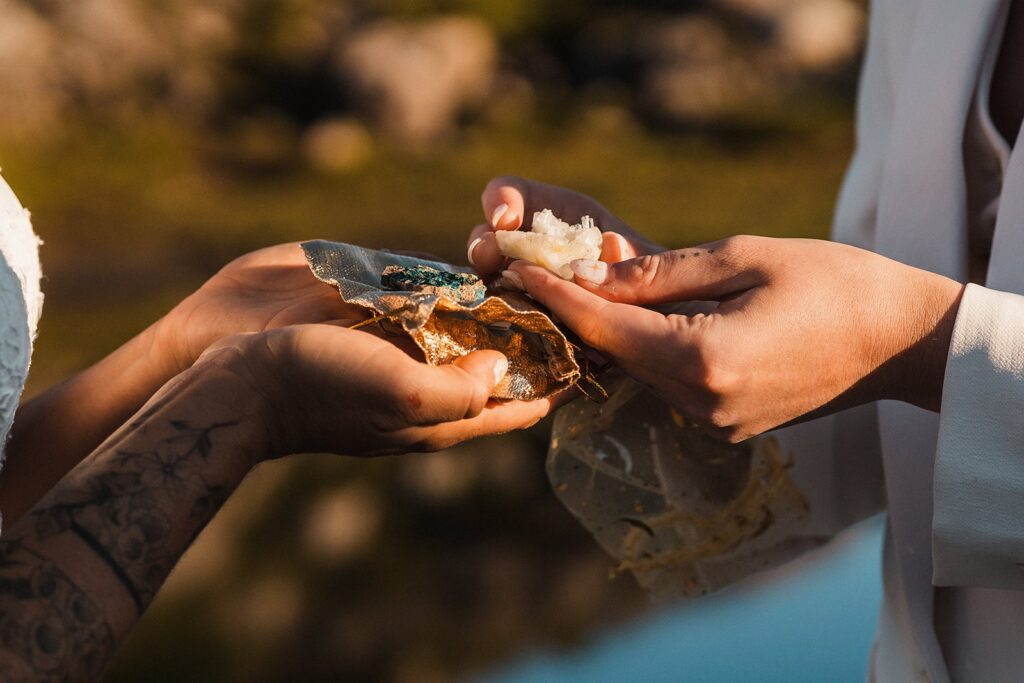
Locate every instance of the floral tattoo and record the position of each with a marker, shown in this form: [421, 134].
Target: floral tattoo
[136, 511]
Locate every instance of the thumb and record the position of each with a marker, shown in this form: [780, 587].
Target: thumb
[712, 272]
[461, 389]
[487, 367]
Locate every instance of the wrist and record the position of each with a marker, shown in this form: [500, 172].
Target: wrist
[926, 320]
[238, 373]
[170, 346]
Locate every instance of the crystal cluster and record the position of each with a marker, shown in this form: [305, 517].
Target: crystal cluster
[552, 243]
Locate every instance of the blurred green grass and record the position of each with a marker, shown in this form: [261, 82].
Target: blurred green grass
[135, 218]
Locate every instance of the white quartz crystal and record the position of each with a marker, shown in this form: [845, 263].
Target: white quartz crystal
[552, 243]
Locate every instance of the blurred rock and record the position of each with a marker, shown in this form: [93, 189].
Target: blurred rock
[265, 613]
[118, 55]
[415, 80]
[512, 100]
[698, 67]
[511, 469]
[441, 477]
[820, 35]
[217, 61]
[30, 94]
[265, 142]
[342, 524]
[337, 145]
[696, 71]
[817, 35]
[608, 121]
[764, 10]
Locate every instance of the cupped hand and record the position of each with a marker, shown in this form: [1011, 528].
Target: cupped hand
[802, 328]
[328, 388]
[509, 203]
[262, 290]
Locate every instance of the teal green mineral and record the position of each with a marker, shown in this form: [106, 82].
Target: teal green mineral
[459, 287]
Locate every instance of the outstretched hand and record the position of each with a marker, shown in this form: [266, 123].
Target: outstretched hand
[262, 290]
[334, 389]
[328, 388]
[802, 326]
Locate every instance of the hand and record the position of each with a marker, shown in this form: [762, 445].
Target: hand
[333, 389]
[262, 290]
[509, 204]
[802, 327]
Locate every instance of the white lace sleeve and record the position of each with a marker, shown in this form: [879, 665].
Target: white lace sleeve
[20, 303]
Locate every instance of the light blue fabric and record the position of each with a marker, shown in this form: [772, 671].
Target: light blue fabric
[814, 623]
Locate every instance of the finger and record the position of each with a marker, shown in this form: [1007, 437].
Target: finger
[482, 251]
[497, 417]
[614, 328]
[456, 391]
[522, 198]
[615, 248]
[504, 202]
[713, 272]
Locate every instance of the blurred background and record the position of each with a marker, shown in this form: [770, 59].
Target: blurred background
[155, 140]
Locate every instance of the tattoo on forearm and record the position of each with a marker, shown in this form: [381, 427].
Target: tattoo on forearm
[137, 511]
[49, 627]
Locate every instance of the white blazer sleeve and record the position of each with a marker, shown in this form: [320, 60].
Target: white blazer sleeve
[978, 524]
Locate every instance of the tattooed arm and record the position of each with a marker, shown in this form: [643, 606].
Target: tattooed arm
[78, 571]
[55, 430]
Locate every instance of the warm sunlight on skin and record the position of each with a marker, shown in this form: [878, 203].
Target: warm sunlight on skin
[814, 325]
[265, 290]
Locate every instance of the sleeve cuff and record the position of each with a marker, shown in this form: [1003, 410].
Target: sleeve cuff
[978, 521]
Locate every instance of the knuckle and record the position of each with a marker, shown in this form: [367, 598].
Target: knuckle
[705, 370]
[711, 375]
[591, 329]
[738, 251]
[713, 415]
[718, 380]
[721, 418]
[733, 249]
[721, 424]
[736, 436]
[643, 270]
[736, 244]
[729, 435]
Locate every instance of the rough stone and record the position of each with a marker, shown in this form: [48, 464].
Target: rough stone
[415, 79]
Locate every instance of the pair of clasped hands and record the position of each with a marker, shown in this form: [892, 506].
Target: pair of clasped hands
[739, 336]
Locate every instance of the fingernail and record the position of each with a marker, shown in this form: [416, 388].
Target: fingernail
[590, 270]
[498, 213]
[514, 280]
[500, 369]
[469, 252]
